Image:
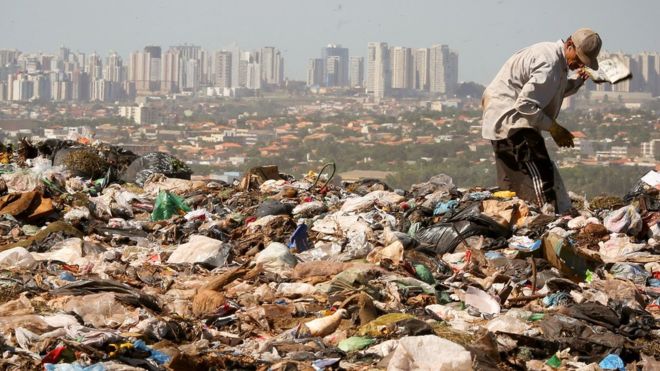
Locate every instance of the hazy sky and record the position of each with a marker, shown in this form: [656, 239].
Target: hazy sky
[484, 33]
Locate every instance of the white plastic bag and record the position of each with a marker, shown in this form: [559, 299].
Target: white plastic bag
[201, 249]
[16, 257]
[429, 352]
[276, 258]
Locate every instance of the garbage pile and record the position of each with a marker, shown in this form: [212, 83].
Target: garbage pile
[110, 261]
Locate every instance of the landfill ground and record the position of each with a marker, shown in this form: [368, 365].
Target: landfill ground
[113, 261]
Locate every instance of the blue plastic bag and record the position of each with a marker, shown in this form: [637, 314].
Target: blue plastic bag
[298, 241]
[443, 207]
[158, 356]
[612, 362]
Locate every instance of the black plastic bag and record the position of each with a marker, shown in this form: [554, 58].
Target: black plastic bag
[465, 222]
[155, 162]
[272, 207]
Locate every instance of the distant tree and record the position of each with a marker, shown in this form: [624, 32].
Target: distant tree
[470, 89]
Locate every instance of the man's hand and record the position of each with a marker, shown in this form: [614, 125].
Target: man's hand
[561, 136]
[584, 75]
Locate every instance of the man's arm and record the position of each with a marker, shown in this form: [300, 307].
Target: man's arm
[536, 94]
[575, 84]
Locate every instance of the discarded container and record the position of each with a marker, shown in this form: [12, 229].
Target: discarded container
[481, 300]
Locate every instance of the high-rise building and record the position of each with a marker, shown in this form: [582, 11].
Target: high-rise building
[153, 50]
[272, 66]
[113, 70]
[235, 66]
[402, 67]
[378, 70]
[22, 89]
[421, 74]
[356, 74]
[154, 58]
[193, 75]
[340, 75]
[94, 66]
[452, 72]
[45, 61]
[250, 70]
[80, 86]
[139, 70]
[187, 52]
[315, 72]
[41, 88]
[647, 62]
[8, 56]
[223, 69]
[279, 69]
[253, 75]
[206, 69]
[61, 91]
[443, 69]
[63, 53]
[657, 74]
[100, 91]
[171, 71]
[332, 71]
[10, 87]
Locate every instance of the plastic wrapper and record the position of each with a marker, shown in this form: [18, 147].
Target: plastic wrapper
[101, 310]
[168, 204]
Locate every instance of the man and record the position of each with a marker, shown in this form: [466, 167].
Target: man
[524, 99]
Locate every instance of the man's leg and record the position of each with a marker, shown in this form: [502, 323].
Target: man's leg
[524, 166]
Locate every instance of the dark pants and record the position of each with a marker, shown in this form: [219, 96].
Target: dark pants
[524, 166]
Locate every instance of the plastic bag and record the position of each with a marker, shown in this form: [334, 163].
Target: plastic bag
[624, 220]
[201, 249]
[155, 162]
[276, 257]
[272, 207]
[16, 257]
[429, 352]
[299, 241]
[444, 207]
[466, 222]
[355, 343]
[168, 204]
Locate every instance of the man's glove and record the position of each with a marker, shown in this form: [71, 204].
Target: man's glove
[562, 137]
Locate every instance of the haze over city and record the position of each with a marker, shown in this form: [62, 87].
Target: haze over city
[484, 33]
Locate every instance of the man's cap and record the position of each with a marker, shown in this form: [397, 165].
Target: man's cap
[587, 46]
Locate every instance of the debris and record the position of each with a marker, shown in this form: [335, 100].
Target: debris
[286, 273]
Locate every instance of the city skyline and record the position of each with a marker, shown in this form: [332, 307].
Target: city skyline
[388, 71]
[483, 38]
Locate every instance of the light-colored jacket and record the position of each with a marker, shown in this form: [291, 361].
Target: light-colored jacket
[528, 91]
